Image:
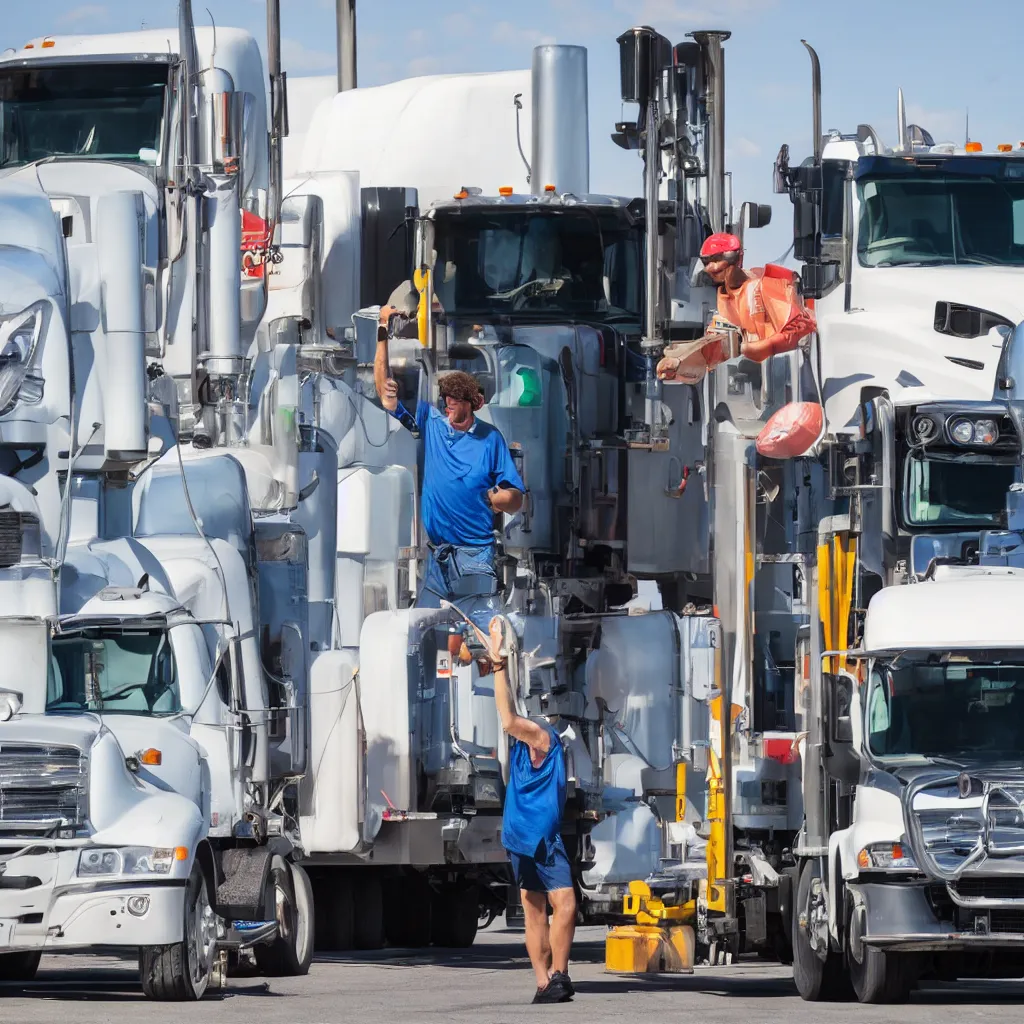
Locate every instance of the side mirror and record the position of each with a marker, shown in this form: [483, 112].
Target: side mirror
[642, 55]
[844, 729]
[781, 174]
[841, 761]
[758, 215]
[228, 118]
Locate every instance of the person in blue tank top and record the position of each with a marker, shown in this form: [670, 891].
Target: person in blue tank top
[534, 802]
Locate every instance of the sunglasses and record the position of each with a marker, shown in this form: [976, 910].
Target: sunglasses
[722, 257]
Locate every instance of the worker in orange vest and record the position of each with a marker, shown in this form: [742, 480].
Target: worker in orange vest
[762, 304]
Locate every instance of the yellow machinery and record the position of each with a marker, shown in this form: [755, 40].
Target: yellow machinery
[663, 938]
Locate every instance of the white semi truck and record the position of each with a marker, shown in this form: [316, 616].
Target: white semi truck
[151, 754]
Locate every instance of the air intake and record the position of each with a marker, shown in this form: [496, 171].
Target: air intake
[962, 321]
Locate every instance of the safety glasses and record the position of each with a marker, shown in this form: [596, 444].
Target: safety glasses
[729, 258]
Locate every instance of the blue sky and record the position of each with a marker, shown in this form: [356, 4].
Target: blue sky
[948, 55]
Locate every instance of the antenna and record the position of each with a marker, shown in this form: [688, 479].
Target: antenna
[967, 126]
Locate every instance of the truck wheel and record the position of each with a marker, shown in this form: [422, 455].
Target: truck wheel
[876, 976]
[19, 966]
[332, 902]
[181, 972]
[456, 917]
[290, 954]
[368, 927]
[816, 980]
[407, 912]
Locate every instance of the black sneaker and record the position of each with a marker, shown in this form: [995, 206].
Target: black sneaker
[556, 991]
[563, 979]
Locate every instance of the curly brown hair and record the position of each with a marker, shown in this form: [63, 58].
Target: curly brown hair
[461, 386]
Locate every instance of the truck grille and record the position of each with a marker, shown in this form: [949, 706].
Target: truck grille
[1006, 922]
[949, 834]
[42, 788]
[989, 887]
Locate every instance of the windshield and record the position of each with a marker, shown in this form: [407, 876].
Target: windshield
[569, 263]
[910, 221]
[947, 493]
[956, 705]
[91, 112]
[132, 673]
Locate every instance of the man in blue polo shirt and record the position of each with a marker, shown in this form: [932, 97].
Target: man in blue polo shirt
[468, 476]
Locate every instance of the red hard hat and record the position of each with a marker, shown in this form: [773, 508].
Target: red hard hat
[719, 243]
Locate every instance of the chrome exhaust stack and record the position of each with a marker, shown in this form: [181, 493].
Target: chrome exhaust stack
[346, 22]
[561, 133]
[710, 43]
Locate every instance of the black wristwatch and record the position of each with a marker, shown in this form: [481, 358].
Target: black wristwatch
[382, 332]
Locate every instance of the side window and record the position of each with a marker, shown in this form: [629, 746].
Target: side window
[54, 682]
[833, 174]
[879, 718]
[1018, 222]
[222, 678]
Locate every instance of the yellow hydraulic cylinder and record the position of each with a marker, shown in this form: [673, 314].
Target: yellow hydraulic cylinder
[421, 279]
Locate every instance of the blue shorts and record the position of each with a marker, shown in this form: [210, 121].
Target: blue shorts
[540, 876]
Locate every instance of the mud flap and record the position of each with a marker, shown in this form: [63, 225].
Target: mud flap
[241, 895]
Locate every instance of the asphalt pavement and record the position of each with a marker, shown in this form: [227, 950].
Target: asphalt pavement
[490, 984]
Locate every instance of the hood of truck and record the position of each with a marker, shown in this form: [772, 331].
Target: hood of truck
[51, 730]
[43, 782]
[889, 339]
[181, 767]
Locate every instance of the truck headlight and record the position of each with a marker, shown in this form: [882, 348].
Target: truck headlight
[886, 857]
[19, 339]
[129, 860]
[963, 430]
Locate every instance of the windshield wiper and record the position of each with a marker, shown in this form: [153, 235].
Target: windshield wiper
[909, 263]
[941, 759]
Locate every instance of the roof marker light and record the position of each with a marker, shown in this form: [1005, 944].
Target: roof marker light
[49, 42]
[1004, 147]
[972, 147]
[505, 190]
[549, 188]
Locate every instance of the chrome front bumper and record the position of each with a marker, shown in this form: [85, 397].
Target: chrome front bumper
[899, 916]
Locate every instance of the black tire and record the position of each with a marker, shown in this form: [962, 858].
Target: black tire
[334, 915]
[19, 966]
[407, 912]
[182, 972]
[291, 952]
[816, 980]
[456, 917]
[368, 898]
[877, 976]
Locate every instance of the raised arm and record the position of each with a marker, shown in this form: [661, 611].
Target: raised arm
[533, 735]
[387, 389]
